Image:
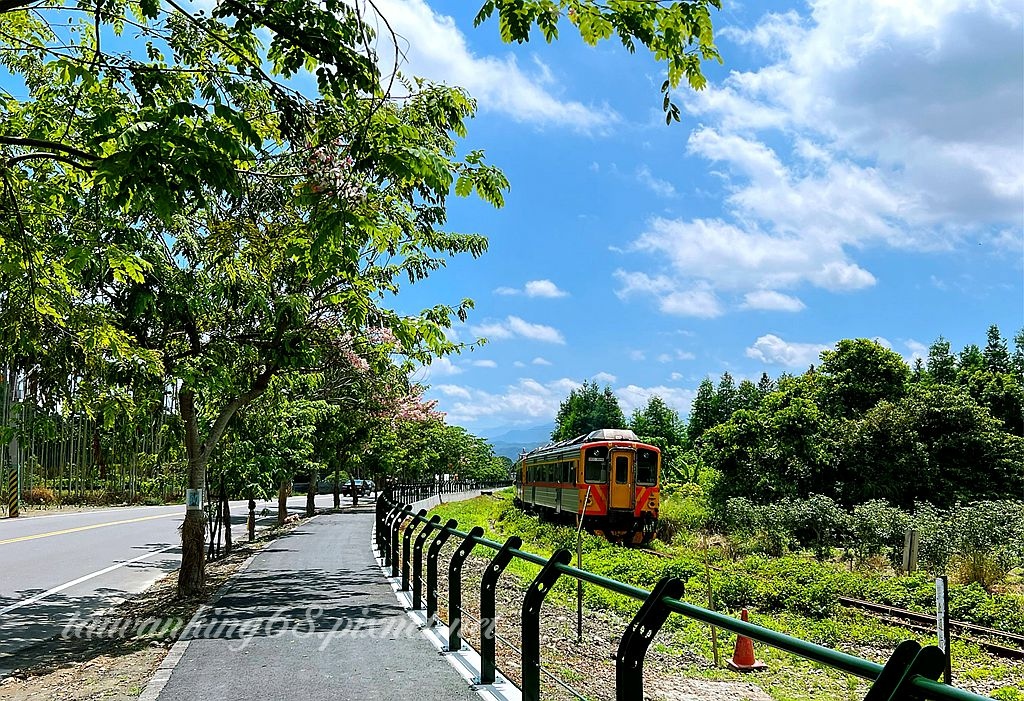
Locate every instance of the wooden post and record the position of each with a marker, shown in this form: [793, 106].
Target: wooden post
[910, 551]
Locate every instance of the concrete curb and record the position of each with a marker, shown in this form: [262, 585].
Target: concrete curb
[163, 672]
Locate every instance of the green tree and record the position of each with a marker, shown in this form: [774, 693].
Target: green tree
[1017, 361]
[702, 411]
[970, 360]
[587, 409]
[941, 363]
[748, 396]
[726, 398]
[218, 229]
[658, 424]
[858, 374]
[997, 354]
[935, 444]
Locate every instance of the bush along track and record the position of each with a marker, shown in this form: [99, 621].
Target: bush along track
[792, 594]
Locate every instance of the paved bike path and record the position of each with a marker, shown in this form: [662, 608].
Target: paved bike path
[312, 618]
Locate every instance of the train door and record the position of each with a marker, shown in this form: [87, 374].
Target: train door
[621, 489]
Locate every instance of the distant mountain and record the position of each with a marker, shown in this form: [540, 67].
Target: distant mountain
[511, 443]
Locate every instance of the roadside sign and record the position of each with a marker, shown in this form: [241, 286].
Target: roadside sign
[193, 499]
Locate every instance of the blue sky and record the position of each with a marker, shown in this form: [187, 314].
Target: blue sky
[855, 169]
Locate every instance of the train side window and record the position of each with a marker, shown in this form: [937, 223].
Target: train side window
[595, 467]
[621, 469]
[646, 467]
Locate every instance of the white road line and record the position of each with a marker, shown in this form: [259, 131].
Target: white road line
[68, 585]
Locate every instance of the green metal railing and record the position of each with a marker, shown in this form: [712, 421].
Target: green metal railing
[910, 673]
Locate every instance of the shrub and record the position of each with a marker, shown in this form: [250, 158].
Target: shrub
[765, 528]
[878, 529]
[820, 524]
[686, 511]
[39, 496]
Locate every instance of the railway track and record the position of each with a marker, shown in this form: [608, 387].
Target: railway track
[925, 623]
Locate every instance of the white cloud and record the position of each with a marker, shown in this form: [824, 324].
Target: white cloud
[698, 300]
[513, 327]
[773, 350]
[771, 300]
[916, 350]
[529, 399]
[534, 288]
[632, 397]
[519, 364]
[434, 47]
[451, 390]
[604, 378]
[676, 376]
[543, 288]
[484, 364]
[540, 361]
[661, 188]
[872, 125]
[637, 355]
[664, 358]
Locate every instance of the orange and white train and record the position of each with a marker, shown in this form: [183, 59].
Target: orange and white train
[607, 476]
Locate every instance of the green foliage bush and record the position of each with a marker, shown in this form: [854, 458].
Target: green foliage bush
[684, 510]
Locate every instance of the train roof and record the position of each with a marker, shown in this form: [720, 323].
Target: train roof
[601, 434]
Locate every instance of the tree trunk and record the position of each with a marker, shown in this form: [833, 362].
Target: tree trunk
[192, 575]
[352, 484]
[314, 482]
[282, 501]
[337, 487]
[227, 517]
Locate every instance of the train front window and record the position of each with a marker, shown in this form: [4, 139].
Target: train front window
[646, 467]
[595, 466]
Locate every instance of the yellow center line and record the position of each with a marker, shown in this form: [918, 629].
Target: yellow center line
[84, 528]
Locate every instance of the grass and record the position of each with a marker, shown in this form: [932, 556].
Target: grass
[792, 595]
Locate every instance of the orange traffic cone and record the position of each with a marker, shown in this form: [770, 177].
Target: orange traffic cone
[743, 659]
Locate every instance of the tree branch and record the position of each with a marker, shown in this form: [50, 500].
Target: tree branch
[37, 155]
[51, 145]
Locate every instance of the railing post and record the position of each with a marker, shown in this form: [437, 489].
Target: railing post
[388, 523]
[433, 553]
[406, 545]
[907, 661]
[455, 589]
[629, 662]
[488, 614]
[417, 562]
[396, 525]
[381, 513]
[530, 627]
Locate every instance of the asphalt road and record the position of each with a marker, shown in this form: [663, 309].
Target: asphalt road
[54, 568]
[313, 618]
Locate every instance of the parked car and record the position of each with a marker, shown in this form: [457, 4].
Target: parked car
[361, 487]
